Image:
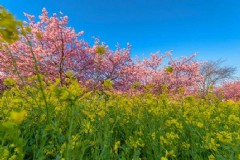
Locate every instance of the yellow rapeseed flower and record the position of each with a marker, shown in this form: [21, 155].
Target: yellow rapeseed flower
[116, 146]
[186, 146]
[213, 145]
[199, 124]
[170, 153]
[18, 117]
[211, 157]
[153, 135]
[12, 145]
[17, 150]
[5, 153]
[101, 113]
[224, 137]
[164, 158]
[13, 157]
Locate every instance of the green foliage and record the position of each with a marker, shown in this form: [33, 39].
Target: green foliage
[8, 26]
[86, 125]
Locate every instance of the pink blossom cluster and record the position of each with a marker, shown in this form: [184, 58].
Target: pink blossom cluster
[59, 49]
[229, 90]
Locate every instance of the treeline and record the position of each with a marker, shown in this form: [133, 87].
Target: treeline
[50, 48]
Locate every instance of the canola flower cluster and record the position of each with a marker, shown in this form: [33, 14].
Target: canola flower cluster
[77, 124]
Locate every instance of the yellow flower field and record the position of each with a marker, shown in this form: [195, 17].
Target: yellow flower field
[77, 124]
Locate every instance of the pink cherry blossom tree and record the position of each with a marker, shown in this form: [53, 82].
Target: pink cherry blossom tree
[58, 50]
[183, 73]
[229, 90]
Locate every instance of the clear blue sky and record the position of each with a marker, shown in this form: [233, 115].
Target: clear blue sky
[209, 27]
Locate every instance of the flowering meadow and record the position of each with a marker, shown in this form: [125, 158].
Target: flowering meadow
[74, 125]
[63, 99]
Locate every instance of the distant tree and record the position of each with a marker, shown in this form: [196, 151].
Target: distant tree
[214, 73]
[179, 73]
[229, 90]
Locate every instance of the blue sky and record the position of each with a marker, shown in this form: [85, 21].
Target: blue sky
[209, 27]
